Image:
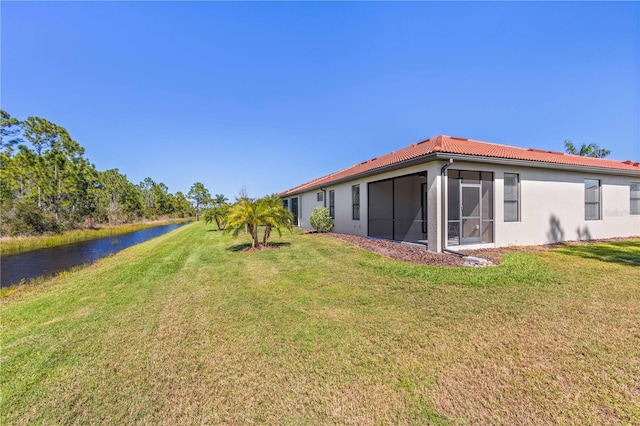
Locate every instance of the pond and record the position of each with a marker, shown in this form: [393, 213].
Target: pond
[49, 261]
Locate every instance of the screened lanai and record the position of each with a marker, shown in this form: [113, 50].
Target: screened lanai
[470, 207]
[397, 208]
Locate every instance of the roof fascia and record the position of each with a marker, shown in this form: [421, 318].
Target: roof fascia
[378, 170]
[539, 164]
[470, 158]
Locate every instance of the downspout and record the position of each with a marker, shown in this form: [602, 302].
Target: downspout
[324, 197]
[443, 199]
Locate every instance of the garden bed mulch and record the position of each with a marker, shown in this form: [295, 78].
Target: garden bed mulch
[418, 254]
[408, 252]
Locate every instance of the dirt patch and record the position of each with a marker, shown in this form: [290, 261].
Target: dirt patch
[417, 254]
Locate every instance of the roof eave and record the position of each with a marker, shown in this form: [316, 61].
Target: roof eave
[541, 164]
[376, 171]
[467, 157]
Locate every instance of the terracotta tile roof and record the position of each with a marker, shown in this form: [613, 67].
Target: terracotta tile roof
[473, 148]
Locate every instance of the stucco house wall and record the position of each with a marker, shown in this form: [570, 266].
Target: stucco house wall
[551, 195]
[553, 208]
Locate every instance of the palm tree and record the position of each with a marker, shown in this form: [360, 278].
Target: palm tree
[248, 215]
[220, 210]
[274, 216]
[243, 216]
[217, 214]
[591, 150]
[220, 199]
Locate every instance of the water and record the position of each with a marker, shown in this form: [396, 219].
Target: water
[48, 261]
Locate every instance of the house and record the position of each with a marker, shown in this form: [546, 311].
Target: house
[452, 193]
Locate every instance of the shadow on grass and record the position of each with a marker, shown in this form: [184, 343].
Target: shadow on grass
[622, 252]
[247, 246]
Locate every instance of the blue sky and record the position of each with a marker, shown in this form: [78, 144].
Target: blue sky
[269, 95]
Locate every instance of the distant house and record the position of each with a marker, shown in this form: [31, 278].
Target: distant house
[455, 193]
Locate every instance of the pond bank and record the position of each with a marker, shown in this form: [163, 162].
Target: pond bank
[15, 245]
[24, 267]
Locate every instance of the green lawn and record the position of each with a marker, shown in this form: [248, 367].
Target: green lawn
[187, 329]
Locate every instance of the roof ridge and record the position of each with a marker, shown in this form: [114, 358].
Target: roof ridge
[491, 143]
[438, 142]
[466, 147]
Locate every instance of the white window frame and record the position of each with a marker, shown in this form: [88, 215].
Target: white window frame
[355, 204]
[598, 202]
[332, 203]
[516, 200]
[636, 198]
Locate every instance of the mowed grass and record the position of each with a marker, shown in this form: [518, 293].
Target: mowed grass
[186, 329]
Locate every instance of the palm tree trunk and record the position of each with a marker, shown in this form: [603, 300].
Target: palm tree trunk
[254, 235]
[265, 238]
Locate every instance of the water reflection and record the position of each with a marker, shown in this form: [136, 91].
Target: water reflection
[48, 261]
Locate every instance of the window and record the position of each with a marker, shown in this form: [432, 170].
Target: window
[591, 199]
[511, 197]
[320, 196]
[635, 198]
[294, 210]
[332, 204]
[285, 203]
[355, 198]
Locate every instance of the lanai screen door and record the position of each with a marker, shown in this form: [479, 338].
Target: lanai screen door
[470, 206]
[398, 208]
[470, 213]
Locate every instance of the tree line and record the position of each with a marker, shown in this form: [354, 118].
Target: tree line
[48, 185]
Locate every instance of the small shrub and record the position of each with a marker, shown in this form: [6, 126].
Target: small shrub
[320, 220]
